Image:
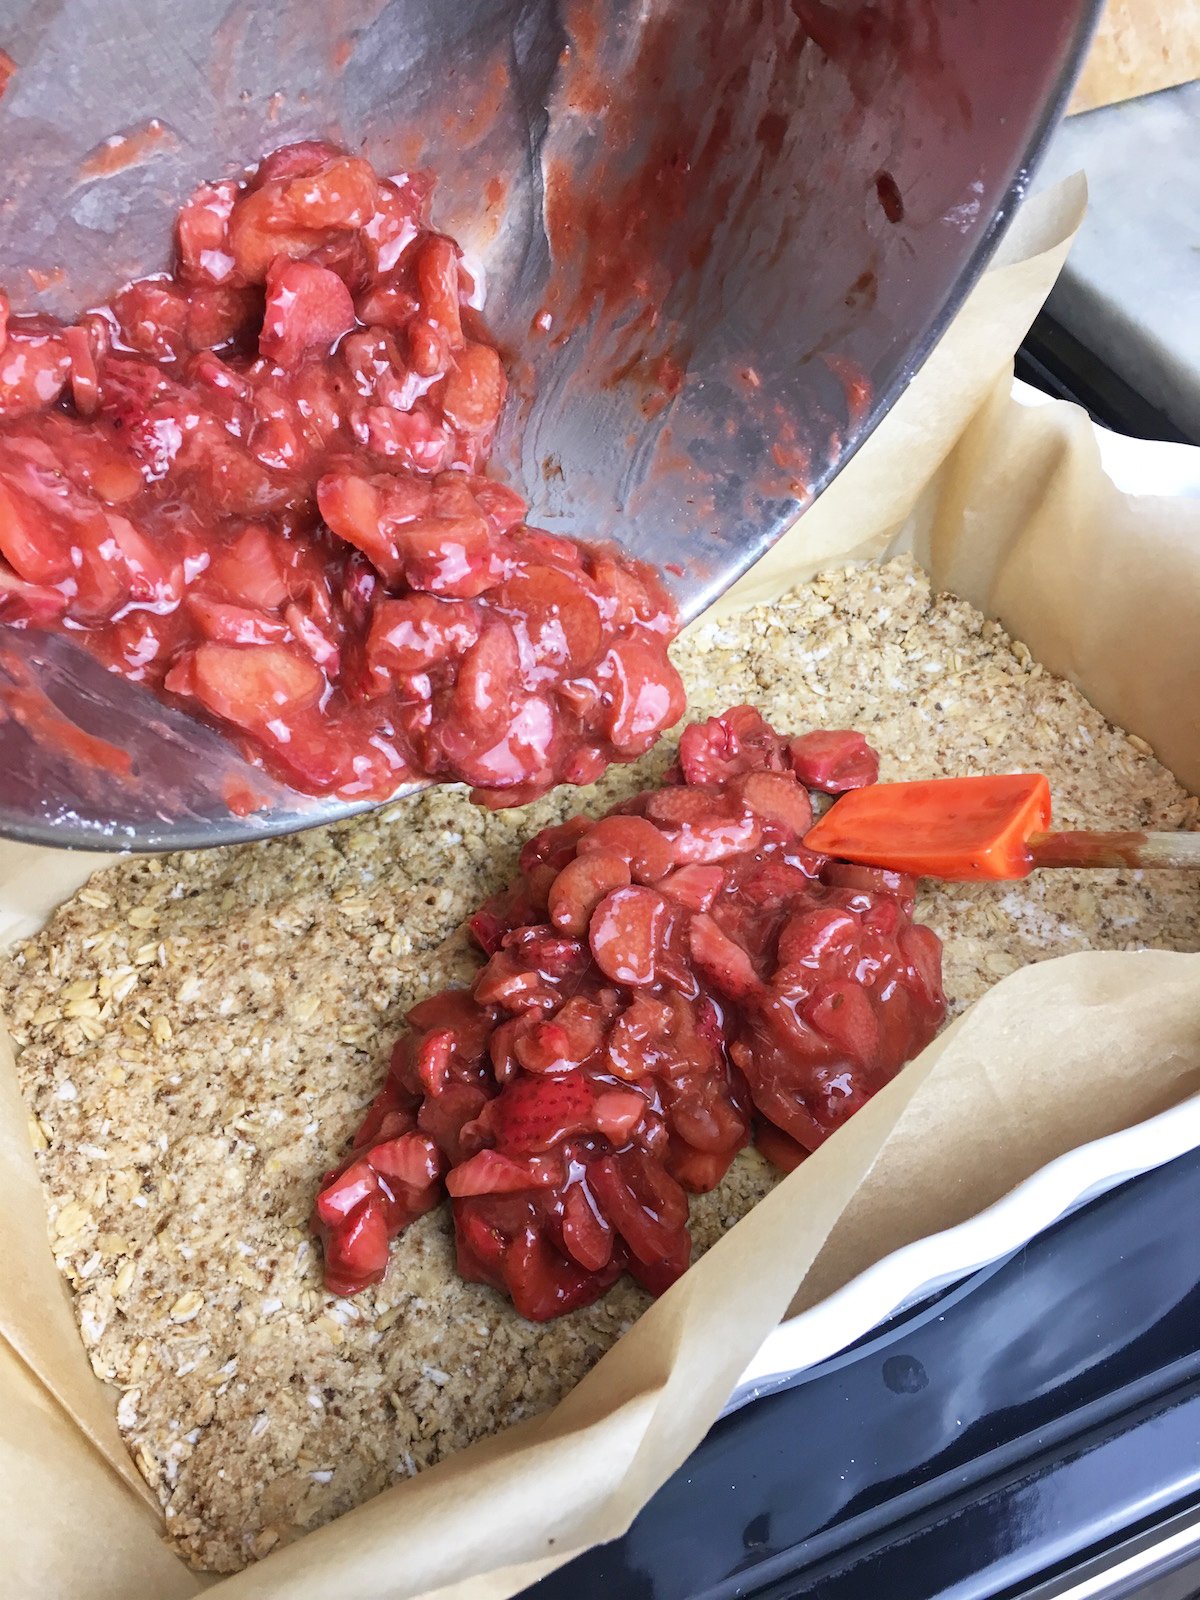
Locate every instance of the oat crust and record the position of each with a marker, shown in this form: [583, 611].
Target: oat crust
[197, 1036]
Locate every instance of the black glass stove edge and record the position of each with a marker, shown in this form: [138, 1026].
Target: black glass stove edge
[1156, 1562]
[1048, 1414]
[1065, 1514]
[1055, 361]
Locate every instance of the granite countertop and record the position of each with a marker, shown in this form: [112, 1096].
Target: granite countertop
[1130, 291]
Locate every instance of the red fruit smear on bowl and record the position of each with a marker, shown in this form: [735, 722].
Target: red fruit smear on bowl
[662, 986]
[258, 485]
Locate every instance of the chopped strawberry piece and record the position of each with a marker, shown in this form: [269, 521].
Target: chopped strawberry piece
[411, 1160]
[544, 1284]
[316, 632]
[299, 160]
[152, 316]
[254, 686]
[502, 506]
[487, 929]
[554, 958]
[695, 886]
[202, 233]
[587, 1235]
[484, 691]
[556, 612]
[871, 882]
[781, 1099]
[345, 1192]
[584, 1022]
[401, 204]
[555, 846]
[34, 550]
[739, 741]
[701, 831]
[643, 1202]
[373, 1197]
[843, 1013]
[779, 801]
[536, 1047]
[834, 762]
[227, 624]
[412, 441]
[85, 385]
[534, 1114]
[490, 1172]
[457, 1013]
[627, 933]
[437, 280]
[428, 349]
[923, 949]
[568, 1039]
[356, 1252]
[708, 1023]
[34, 369]
[657, 1276]
[722, 960]
[296, 215]
[116, 564]
[449, 556]
[617, 1113]
[453, 557]
[775, 882]
[387, 1116]
[647, 849]
[473, 393]
[698, 1171]
[481, 1246]
[221, 315]
[308, 307]
[581, 885]
[644, 690]
[353, 508]
[338, 193]
[417, 633]
[447, 1116]
[435, 1057]
[825, 939]
[637, 1043]
[779, 1150]
[249, 571]
[28, 604]
[549, 549]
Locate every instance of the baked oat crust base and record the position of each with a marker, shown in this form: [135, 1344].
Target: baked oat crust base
[197, 1036]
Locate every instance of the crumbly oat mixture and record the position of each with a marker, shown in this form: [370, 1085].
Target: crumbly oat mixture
[199, 1034]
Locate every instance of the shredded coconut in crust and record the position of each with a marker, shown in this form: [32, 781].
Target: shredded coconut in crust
[198, 1035]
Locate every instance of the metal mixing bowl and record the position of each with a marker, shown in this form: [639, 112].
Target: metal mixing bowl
[718, 239]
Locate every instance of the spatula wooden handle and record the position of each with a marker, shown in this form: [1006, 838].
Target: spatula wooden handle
[1115, 849]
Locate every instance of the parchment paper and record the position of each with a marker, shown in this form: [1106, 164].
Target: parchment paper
[1010, 506]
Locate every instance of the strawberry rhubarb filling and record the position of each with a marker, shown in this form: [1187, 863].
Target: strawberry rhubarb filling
[661, 986]
[257, 485]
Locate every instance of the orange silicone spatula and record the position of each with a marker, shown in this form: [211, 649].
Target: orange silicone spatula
[965, 829]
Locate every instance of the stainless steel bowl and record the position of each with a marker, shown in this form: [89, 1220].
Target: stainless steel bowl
[718, 240]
